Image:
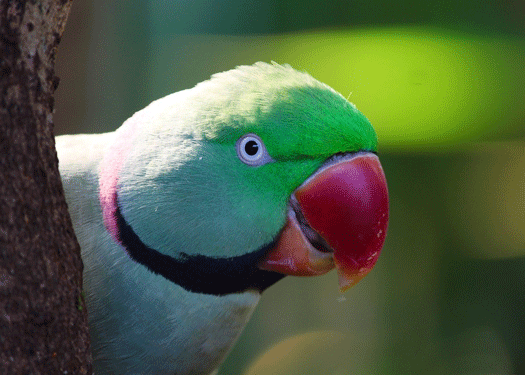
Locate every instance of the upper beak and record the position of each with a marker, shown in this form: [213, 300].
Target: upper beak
[337, 218]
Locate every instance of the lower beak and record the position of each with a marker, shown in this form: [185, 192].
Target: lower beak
[337, 218]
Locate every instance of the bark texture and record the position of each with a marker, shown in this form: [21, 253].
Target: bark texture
[43, 321]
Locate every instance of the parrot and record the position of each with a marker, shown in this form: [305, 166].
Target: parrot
[205, 198]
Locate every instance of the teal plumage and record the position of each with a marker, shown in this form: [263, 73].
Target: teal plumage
[171, 185]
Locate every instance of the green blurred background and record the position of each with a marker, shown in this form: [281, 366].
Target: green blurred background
[443, 82]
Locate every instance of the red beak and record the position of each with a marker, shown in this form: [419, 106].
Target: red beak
[337, 218]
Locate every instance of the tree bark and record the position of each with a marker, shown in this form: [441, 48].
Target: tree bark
[43, 320]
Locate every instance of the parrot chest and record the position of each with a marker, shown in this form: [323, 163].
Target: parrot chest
[141, 323]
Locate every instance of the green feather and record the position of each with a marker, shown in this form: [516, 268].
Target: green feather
[296, 115]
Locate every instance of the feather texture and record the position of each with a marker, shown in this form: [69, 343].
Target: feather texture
[169, 180]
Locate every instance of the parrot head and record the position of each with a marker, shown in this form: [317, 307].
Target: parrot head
[257, 173]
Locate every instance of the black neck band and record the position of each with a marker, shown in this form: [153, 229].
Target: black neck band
[199, 273]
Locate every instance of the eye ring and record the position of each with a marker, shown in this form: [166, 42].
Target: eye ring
[251, 150]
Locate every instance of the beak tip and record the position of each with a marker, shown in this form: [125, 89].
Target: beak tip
[349, 279]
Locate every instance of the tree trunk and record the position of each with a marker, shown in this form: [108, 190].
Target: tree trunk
[43, 320]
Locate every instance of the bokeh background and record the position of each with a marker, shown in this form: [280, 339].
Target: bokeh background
[443, 82]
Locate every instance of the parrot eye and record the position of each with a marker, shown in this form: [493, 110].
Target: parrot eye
[251, 150]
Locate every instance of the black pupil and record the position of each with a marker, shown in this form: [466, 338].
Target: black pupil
[251, 148]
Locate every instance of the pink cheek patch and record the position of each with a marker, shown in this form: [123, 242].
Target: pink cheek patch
[110, 169]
